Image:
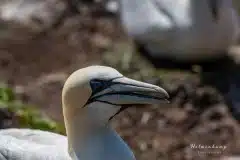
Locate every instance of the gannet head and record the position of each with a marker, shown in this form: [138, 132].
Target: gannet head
[102, 92]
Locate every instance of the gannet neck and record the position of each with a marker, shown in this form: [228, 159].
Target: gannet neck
[90, 140]
[103, 143]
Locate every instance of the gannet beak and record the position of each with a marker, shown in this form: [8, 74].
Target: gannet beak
[126, 91]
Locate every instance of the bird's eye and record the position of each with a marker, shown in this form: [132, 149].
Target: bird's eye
[97, 85]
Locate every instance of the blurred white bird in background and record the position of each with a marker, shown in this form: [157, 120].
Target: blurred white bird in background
[91, 97]
[180, 30]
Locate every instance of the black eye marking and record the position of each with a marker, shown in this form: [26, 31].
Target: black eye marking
[98, 85]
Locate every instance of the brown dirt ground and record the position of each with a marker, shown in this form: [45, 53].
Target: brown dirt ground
[197, 114]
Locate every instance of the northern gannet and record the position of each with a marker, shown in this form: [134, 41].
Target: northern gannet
[181, 30]
[91, 97]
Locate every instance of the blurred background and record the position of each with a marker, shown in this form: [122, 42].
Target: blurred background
[43, 41]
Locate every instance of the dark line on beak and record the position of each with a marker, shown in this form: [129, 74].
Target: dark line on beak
[129, 94]
[106, 102]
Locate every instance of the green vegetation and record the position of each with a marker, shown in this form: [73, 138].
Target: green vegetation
[27, 116]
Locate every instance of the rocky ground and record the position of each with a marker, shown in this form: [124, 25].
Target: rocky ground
[37, 65]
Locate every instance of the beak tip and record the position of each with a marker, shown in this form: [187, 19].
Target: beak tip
[165, 94]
